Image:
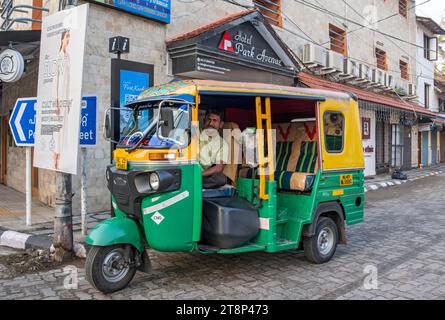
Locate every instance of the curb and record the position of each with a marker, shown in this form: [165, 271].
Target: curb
[19, 240]
[393, 182]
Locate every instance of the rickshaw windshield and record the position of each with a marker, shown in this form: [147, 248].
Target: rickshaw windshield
[140, 123]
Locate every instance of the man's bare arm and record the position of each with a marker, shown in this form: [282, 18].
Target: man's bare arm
[218, 168]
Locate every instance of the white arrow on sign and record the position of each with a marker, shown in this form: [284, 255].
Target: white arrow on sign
[17, 121]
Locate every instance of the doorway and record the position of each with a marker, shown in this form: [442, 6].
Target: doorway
[424, 149]
[407, 148]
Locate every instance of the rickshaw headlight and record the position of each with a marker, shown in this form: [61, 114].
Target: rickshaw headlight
[154, 181]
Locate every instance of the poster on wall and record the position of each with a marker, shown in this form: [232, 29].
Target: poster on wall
[366, 128]
[128, 80]
[153, 9]
[59, 90]
[132, 83]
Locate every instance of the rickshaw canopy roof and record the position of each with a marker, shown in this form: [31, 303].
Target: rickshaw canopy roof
[211, 87]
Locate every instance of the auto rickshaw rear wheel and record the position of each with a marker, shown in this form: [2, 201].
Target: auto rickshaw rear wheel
[109, 269]
[320, 247]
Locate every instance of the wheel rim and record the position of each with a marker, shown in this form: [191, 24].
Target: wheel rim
[325, 241]
[114, 267]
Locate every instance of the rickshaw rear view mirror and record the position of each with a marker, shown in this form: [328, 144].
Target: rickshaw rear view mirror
[166, 121]
[107, 125]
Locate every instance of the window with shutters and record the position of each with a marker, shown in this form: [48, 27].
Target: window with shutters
[381, 59]
[337, 37]
[271, 10]
[403, 8]
[404, 70]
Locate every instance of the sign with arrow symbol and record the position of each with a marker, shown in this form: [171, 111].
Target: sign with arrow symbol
[23, 122]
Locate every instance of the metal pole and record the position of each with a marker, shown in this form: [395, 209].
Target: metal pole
[28, 188]
[63, 220]
[84, 192]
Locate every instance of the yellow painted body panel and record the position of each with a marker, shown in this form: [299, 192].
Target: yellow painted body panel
[352, 154]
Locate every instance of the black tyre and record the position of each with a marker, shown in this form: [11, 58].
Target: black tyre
[108, 269]
[322, 245]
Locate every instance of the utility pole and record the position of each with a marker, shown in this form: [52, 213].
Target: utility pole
[63, 220]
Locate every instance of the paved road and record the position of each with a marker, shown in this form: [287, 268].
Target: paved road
[403, 240]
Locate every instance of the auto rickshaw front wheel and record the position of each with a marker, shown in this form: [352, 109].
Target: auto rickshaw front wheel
[320, 247]
[109, 269]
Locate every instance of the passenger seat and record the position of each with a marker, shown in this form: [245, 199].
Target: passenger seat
[296, 156]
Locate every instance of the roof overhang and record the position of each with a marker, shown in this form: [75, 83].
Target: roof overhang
[430, 25]
[24, 41]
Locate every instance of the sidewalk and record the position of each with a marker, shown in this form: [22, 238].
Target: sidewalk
[13, 216]
[383, 181]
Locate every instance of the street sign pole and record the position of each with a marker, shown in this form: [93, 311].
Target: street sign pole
[28, 187]
[22, 124]
[84, 191]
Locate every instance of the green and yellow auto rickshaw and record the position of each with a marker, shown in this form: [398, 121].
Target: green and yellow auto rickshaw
[299, 188]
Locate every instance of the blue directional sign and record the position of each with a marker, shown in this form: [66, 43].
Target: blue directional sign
[88, 122]
[23, 121]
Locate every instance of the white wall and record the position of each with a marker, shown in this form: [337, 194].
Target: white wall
[425, 71]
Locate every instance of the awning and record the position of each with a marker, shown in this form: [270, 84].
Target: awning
[320, 83]
[19, 37]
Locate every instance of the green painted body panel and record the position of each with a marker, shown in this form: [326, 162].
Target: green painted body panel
[331, 181]
[180, 228]
[287, 212]
[283, 215]
[117, 230]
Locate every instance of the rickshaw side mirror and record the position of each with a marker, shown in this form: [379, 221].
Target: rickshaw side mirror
[107, 126]
[166, 121]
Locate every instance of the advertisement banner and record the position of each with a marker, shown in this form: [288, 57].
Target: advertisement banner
[59, 91]
[153, 9]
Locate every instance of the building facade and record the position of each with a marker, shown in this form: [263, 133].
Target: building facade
[428, 33]
[366, 47]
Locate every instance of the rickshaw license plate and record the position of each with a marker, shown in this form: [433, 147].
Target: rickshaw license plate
[346, 180]
[121, 163]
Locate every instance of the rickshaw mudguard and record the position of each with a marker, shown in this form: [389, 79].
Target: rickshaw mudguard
[117, 230]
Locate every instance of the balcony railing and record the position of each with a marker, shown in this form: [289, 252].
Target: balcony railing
[9, 10]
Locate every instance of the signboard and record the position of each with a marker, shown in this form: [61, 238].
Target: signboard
[153, 9]
[244, 41]
[23, 122]
[88, 122]
[12, 65]
[59, 90]
[247, 49]
[128, 80]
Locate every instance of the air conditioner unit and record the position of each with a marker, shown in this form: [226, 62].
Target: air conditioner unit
[390, 81]
[335, 61]
[377, 78]
[412, 89]
[314, 55]
[351, 68]
[365, 72]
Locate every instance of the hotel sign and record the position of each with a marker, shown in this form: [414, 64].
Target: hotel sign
[245, 42]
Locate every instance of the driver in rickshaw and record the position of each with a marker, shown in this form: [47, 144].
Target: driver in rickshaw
[213, 151]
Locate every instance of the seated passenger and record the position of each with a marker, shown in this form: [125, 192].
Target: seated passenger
[213, 151]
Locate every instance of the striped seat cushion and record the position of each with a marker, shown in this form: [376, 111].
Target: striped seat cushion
[298, 181]
[283, 153]
[308, 157]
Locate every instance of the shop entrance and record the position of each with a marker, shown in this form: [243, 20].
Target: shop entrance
[407, 148]
[424, 149]
[442, 147]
